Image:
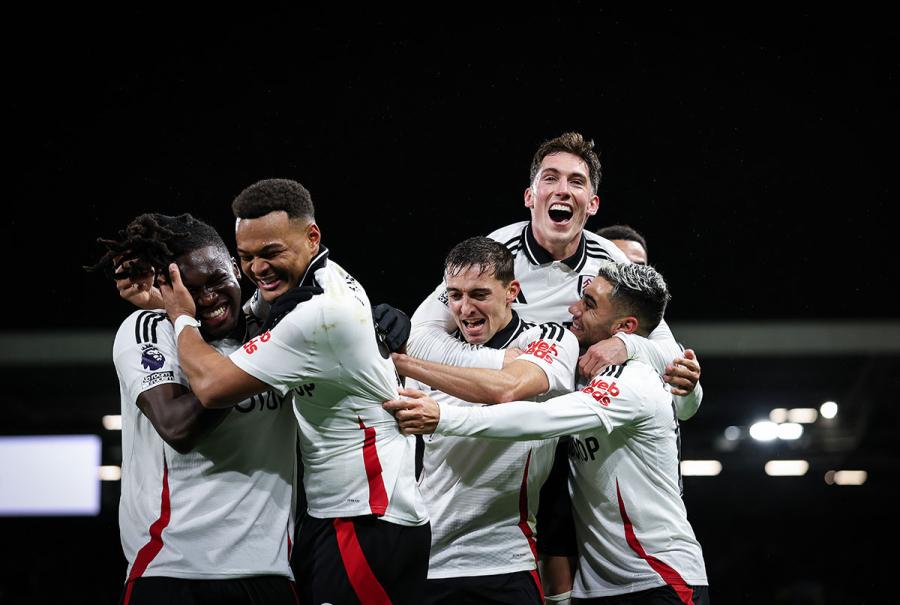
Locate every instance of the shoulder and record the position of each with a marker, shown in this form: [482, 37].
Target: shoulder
[642, 379]
[143, 327]
[599, 248]
[510, 236]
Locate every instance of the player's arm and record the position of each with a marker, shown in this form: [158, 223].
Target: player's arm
[215, 379]
[430, 338]
[516, 421]
[519, 379]
[178, 416]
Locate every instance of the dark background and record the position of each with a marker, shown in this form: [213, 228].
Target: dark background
[755, 151]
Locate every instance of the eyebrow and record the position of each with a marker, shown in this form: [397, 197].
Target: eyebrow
[263, 250]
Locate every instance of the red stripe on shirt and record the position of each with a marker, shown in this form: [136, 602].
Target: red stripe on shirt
[523, 524]
[671, 577]
[149, 550]
[377, 495]
[368, 589]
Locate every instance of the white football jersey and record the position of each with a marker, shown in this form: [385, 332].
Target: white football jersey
[482, 495]
[223, 510]
[325, 355]
[549, 288]
[630, 521]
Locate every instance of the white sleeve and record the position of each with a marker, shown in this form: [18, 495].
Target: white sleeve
[554, 350]
[290, 353]
[145, 354]
[430, 339]
[658, 351]
[608, 402]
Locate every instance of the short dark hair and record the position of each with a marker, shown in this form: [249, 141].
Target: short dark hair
[153, 241]
[482, 252]
[625, 232]
[637, 290]
[273, 195]
[574, 143]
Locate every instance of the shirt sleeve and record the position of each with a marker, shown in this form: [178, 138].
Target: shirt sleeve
[145, 354]
[430, 338]
[554, 350]
[658, 351]
[605, 402]
[291, 352]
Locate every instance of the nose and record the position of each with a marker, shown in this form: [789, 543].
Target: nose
[257, 266]
[575, 310]
[207, 296]
[465, 306]
[562, 188]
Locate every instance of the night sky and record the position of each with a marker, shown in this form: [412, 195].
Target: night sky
[755, 151]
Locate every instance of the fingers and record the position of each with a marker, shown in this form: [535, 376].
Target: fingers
[413, 393]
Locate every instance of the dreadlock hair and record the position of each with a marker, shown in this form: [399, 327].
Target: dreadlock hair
[482, 252]
[574, 143]
[637, 290]
[153, 241]
[272, 195]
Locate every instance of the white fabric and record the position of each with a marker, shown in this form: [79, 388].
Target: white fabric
[473, 487]
[626, 445]
[229, 499]
[549, 289]
[324, 353]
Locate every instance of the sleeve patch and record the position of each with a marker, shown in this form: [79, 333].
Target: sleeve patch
[157, 378]
[542, 350]
[151, 357]
[601, 391]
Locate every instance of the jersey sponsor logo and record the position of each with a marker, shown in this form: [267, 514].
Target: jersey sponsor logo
[268, 400]
[542, 350]
[157, 378]
[250, 346]
[583, 450]
[151, 357]
[583, 282]
[305, 390]
[601, 391]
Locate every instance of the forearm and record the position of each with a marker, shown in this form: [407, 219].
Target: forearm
[657, 350]
[519, 420]
[208, 372]
[477, 385]
[687, 405]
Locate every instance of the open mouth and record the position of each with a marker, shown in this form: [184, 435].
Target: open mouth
[268, 284]
[560, 213]
[215, 314]
[473, 323]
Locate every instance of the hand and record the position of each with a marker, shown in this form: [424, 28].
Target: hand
[416, 416]
[176, 298]
[138, 291]
[683, 373]
[511, 354]
[609, 352]
[401, 361]
[393, 327]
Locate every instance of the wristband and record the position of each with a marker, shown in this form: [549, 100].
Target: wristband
[184, 321]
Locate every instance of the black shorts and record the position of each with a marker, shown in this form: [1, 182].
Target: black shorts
[255, 590]
[662, 595]
[555, 522]
[519, 588]
[361, 560]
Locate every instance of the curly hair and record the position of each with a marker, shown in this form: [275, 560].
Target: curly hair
[153, 241]
[272, 195]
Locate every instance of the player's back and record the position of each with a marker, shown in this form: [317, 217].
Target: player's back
[626, 488]
[222, 510]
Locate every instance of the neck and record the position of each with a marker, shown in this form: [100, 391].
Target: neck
[558, 250]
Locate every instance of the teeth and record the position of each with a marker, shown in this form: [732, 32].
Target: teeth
[217, 312]
[562, 207]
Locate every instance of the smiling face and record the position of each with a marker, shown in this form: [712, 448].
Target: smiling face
[479, 302]
[275, 251]
[212, 278]
[561, 199]
[595, 317]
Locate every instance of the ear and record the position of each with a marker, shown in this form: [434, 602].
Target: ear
[236, 269]
[628, 325]
[512, 291]
[313, 236]
[594, 205]
[529, 197]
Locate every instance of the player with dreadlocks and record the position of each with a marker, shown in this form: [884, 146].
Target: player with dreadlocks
[206, 507]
